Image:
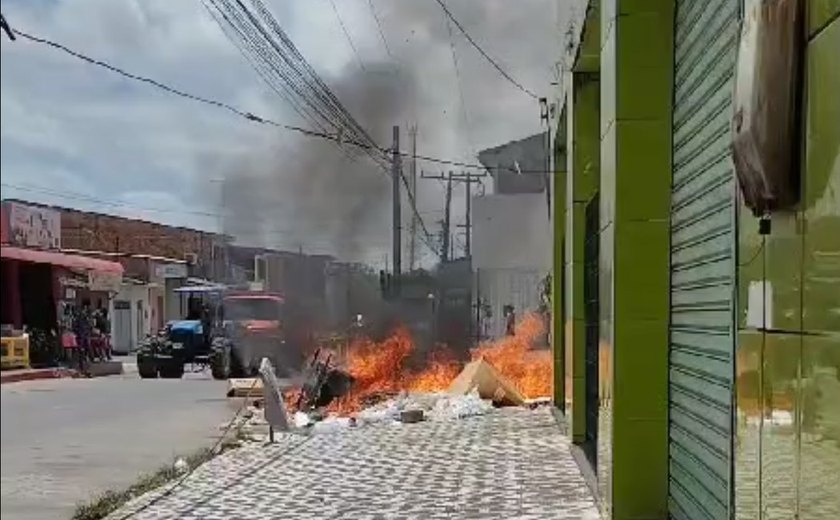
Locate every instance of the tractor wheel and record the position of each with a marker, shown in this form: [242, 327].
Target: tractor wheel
[147, 369]
[220, 365]
[172, 371]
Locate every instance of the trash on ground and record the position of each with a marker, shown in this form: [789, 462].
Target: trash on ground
[481, 376]
[302, 420]
[411, 416]
[273, 402]
[245, 387]
[181, 465]
[324, 382]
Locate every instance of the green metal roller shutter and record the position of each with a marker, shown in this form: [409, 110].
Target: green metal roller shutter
[701, 360]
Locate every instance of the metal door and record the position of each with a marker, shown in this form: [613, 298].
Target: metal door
[121, 335]
[701, 355]
[592, 320]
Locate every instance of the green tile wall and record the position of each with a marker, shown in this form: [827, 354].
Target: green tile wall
[582, 183]
[635, 128]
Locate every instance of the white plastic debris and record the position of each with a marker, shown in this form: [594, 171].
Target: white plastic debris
[332, 424]
[459, 407]
[302, 420]
[437, 407]
[181, 465]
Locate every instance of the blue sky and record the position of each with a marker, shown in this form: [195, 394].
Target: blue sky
[76, 135]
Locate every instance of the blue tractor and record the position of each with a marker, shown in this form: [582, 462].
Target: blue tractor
[183, 342]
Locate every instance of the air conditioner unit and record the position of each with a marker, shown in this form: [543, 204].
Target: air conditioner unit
[191, 258]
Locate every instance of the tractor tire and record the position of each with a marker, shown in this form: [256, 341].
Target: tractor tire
[147, 370]
[172, 371]
[220, 365]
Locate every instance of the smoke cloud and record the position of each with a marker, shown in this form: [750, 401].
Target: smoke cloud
[305, 192]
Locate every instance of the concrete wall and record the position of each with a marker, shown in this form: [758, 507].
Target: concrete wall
[512, 253]
[530, 156]
[511, 231]
[498, 287]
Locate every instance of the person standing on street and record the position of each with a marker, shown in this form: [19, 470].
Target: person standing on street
[510, 320]
[83, 327]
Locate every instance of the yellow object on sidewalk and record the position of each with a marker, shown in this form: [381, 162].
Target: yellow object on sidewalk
[15, 351]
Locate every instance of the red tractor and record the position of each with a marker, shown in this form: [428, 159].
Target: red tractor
[255, 325]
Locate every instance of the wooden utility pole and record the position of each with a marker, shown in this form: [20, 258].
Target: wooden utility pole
[412, 244]
[396, 170]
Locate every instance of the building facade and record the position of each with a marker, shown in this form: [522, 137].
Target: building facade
[697, 345]
[206, 252]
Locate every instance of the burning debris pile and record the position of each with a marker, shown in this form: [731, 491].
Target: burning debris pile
[376, 382]
[383, 369]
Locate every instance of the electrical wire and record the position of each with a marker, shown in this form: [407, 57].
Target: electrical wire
[254, 118]
[493, 62]
[362, 139]
[343, 121]
[460, 87]
[379, 26]
[347, 35]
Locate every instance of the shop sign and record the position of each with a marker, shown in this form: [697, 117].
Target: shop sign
[73, 282]
[171, 271]
[31, 226]
[104, 281]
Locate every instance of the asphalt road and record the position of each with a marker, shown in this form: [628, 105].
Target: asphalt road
[66, 440]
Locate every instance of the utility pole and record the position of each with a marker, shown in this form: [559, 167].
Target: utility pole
[396, 166]
[467, 178]
[412, 244]
[446, 219]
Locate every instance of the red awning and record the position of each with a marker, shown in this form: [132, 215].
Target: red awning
[62, 259]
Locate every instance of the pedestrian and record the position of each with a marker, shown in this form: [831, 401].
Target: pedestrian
[83, 327]
[103, 329]
[510, 320]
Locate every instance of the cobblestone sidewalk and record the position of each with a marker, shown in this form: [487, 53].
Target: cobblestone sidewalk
[510, 464]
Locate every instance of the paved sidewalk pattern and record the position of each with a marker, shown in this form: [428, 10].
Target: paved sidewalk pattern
[510, 464]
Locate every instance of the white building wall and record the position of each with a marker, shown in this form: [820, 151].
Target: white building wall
[139, 317]
[512, 248]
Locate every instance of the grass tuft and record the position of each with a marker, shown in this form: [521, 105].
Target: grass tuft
[106, 503]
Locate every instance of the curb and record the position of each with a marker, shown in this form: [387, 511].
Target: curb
[101, 369]
[33, 375]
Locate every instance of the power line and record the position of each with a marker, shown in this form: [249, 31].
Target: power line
[269, 44]
[254, 118]
[347, 35]
[368, 146]
[493, 62]
[219, 104]
[460, 85]
[379, 26]
[343, 121]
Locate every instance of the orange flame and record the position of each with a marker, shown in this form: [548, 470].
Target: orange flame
[381, 369]
[515, 358]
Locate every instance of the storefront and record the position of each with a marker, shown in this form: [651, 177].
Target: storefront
[40, 283]
[702, 328]
[37, 284]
